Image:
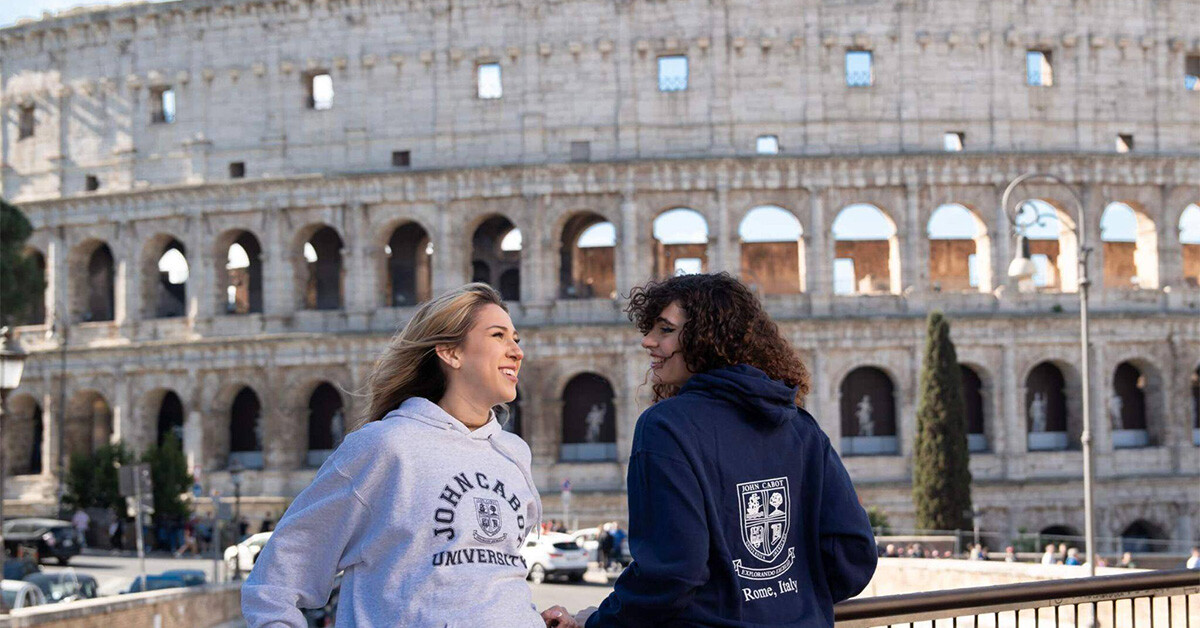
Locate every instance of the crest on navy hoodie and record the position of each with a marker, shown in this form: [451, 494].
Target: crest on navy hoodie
[765, 515]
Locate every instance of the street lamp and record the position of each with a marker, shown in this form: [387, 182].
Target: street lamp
[1026, 215]
[12, 363]
[235, 474]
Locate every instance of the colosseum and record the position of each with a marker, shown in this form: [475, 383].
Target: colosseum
[236, 202]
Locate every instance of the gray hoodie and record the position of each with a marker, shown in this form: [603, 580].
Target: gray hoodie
[425, 517]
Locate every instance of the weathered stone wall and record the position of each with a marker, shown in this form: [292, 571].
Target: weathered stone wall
[193, 607]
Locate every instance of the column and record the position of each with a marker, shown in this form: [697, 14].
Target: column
[723, 260]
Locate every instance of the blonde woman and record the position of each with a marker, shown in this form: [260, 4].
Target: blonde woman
[426, 504]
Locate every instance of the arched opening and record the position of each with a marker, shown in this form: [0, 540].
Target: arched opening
[589, 420]
[95, 300]
[680, 243]
[89, 423]
[1130, 248]
[35, 313]
[241, 266]
[23, 432]
[246, 430]
[866, 252]
[1144, 536]
[1056, 534]
[323, 270]
[496, 256]
[1127, 407]
[587, 267]
[326, 423]
[170, 418]
[511, 418]
[868, 413]
[409, 266]
[165, 270]
[973, 396]
[1189, 240]
[1046, 408]
[959, 251]
[772, 250]
[1052, 246]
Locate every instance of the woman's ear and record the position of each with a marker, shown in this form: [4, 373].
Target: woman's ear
[449, 355]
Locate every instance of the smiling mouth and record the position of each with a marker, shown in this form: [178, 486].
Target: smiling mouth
[656, 362]
[510, 373]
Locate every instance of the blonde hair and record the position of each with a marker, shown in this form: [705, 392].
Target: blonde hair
[409, 367]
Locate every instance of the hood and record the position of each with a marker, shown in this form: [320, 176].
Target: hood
[768, 400]
[430, 413]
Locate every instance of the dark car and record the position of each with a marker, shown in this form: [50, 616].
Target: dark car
[18, 568]
[52, 538]
[190, 577]
[156, 583]
[64, 586]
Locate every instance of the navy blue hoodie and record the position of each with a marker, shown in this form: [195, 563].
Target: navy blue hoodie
[740, 512]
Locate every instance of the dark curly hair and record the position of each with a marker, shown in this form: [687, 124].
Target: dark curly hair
[726, 326]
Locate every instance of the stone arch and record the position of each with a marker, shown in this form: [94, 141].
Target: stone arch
[1140, 385]
[1130, 243]
[24, 430]
[326, 422]
[496, 246]
[407, 267]
[319, 268]
[1189, 244]
[239, 272]
[974, 397]
[88, 424]
[35, 314]
[1053, 245]
[866, 251]
[867, 405]
[164, 269]
[1143, 536]
[246, 425]
[1060, 533]
[1047, 413]
[587, 257]
[680, 238]
[772, 243]
[92, 271]
[589, 419]
[960, 250]
[170, 418]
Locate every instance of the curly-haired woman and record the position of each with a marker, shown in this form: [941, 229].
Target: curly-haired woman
[740, 511]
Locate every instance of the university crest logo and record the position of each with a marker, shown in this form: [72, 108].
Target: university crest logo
[487, 513]
[764, 508]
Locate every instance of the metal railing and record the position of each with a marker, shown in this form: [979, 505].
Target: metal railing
[1154, 599]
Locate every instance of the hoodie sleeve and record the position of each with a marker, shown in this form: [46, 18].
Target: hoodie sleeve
[668, 537]
[313, 542]
[848, 552]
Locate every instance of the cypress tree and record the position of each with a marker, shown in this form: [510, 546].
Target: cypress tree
[941, 476]
[20, 281]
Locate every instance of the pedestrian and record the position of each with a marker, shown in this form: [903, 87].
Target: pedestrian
[618, 550]
[740, 511]
[604, 545]
[426, 504]
[1061, 557]
[80, 521]
[116, 534]
[1127, 561]
[1073, 557]
[268, 523]
[1049, 557]
[1193, 562]
[1010, 554]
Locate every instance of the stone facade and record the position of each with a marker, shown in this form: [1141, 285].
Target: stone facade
[403, 78]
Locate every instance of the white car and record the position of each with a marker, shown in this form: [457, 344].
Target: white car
[554, 554]
[20, 594]
[589, 539]
[241, 557]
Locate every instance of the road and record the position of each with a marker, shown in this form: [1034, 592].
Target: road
[114, 573]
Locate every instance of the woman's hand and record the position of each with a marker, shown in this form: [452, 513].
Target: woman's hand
[558, 617]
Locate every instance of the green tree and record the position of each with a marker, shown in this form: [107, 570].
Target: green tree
[92, 478]
[20, 280]
[171, 479]
[941, 475]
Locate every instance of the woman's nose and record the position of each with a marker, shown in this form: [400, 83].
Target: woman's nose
[516, 353]
[647, 343]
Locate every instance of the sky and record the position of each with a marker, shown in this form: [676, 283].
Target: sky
[13, 10]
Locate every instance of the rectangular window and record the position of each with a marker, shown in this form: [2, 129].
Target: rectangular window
[767, 145]
[581, 151]
[860, 71]
[237, 170]
[1124, 143]
[1191, 73]
[1038, 70]
[162, 103]
[91, 183]
[487, 81]
[320, 90]
[952, 141]
[26, 123]
[672, 73]
[401, 159]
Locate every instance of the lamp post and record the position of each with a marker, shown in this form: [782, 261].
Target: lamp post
[235, 475]
[1024, 216]
[12, 363]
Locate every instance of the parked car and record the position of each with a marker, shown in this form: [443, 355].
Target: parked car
[241, 557]
[20, 594]
[155, 582]
[64, 586]
[18, 568]
[589, 539]
[51, 537]
[554, 554]
[190, 577]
